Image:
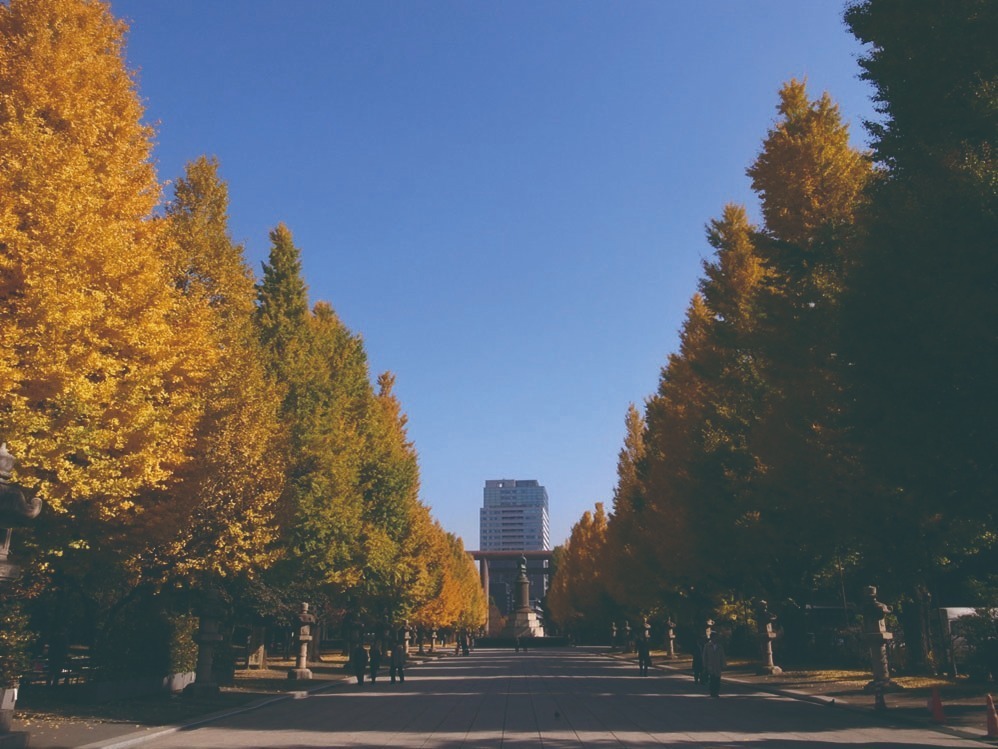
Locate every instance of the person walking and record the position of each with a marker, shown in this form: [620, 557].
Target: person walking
[713, 663]
[375, 659]
[396, 663]
[644, 656]
[698, 674]
[358, 662]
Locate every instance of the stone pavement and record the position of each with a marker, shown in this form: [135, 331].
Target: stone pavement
[906, 712]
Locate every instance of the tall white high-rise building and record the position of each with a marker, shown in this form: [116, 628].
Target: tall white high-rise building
[514, 516]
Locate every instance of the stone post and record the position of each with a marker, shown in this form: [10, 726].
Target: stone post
[764, 621]
[613, 635]
[670, 636]
[8, 698]
[256, 650]
[305, 622]
[207, 638]
[876, 636]
[406, 636]
[433, 639]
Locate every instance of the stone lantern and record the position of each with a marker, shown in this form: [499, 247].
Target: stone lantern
[208, 637]
[764, 621]
[613, 634]
[670, 635]
[305, 622]
[876, 636]
[17, 509]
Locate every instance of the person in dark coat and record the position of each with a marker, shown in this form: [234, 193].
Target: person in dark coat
[375, 658]
[396, 663]
[644, 655]
[714, 663]
[358, 662]
[698, 675]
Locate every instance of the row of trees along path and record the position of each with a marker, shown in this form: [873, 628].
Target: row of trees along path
[190, 427]
[828, 420]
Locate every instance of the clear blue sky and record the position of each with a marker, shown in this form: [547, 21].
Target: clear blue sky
[506, 199]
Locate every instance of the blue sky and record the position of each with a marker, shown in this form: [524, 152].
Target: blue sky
[506, 199]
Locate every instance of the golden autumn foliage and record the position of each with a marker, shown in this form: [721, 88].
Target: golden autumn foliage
[577, 598]
[738, 450]
[101, 355]
[219, 515]
[174, 415]
[808, 175]
[671, 416]
[631, 564]
[456, 598]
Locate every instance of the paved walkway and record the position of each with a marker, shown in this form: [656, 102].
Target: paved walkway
[563, 698]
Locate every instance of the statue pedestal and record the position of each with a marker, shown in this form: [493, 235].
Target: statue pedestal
[768, 667]
[882, 681]
[525, 624]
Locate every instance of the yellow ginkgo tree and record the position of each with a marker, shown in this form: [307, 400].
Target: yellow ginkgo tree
[101, 356]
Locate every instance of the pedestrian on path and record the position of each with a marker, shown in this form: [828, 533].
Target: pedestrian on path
[713, 663]
[698, 646]
[358, 662]
[396, 663]
[375, 658]
[644, 656]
